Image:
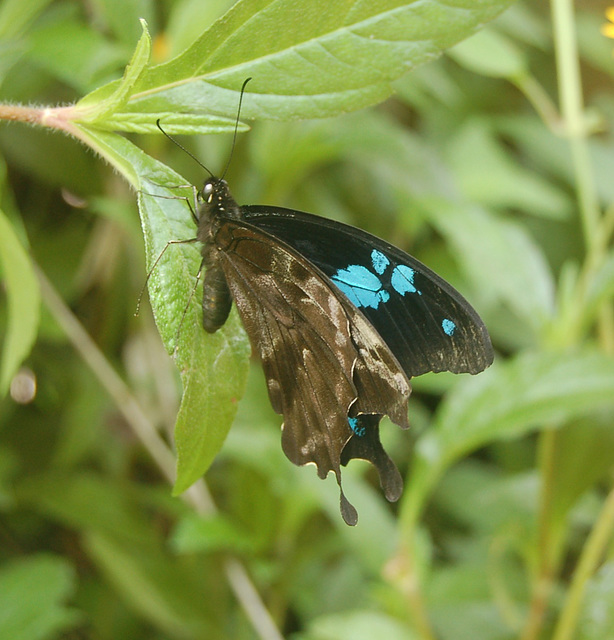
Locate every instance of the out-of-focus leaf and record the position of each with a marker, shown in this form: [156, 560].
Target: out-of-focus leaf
[87, 502]
[583, 455]
[197, 534]
[32, 592]
[491, 54]
[532, 390]
[486, 173]
[463, 604]
[121, 17]
[85, 57]
[159, 588]
[16, 14]
[23, 302]
[601, 287]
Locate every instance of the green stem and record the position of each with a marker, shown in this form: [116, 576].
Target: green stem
[546, 547]
[572, 110]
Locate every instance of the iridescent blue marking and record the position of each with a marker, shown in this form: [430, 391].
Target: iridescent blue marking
[380, 261]
[448, 326]
[361, 286]
[356, 427]
[402, 280]
[365, 289]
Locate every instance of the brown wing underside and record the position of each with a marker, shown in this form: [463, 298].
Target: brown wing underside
[323, 361]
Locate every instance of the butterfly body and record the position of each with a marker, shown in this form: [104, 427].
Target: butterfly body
[216, 205]
[341, 321]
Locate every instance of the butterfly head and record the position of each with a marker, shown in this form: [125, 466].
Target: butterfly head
[216, 200]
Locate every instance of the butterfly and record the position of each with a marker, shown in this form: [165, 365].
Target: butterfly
[341, 321]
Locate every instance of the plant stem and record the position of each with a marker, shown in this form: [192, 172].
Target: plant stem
[546, 547]
[572, 111]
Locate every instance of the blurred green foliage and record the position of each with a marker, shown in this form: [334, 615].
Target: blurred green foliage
[505, 527]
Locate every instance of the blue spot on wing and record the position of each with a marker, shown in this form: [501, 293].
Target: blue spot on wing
[402, 280]
[361, 286]
[380, 261]
[448, 326]
[357, 427]
[366, 289]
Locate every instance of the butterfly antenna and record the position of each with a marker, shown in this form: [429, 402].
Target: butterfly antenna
[178, 144]
[234, 138]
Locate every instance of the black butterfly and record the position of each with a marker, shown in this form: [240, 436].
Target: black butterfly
[341, 320]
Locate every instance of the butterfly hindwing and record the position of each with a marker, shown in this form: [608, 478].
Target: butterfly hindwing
[329, 373]
[425, 322]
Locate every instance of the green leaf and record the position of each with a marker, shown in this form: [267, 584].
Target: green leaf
[307, 59]
[188, 20]
[172, 123]
[213, 368]
[32, 591]
[23, 302]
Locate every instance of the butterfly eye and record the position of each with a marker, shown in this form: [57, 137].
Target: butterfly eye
[207, 192]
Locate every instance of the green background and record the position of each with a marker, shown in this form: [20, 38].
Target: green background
[489, 157]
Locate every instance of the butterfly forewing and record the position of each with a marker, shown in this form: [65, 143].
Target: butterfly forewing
[424, 321]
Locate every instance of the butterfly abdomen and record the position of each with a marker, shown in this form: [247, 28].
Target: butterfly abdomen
[217, 300]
